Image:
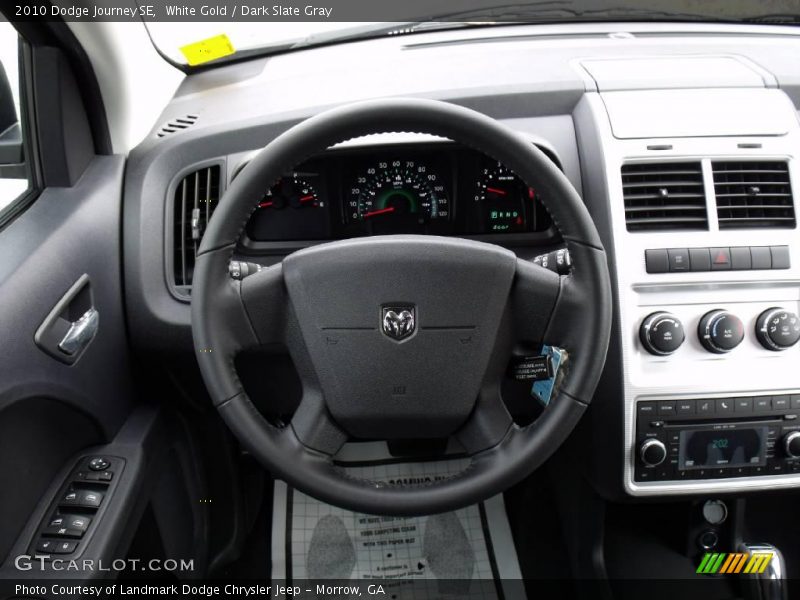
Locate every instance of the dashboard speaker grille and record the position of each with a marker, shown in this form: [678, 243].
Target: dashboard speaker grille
[664, 196]
[753, 194]
[196, 197]
[177, 124]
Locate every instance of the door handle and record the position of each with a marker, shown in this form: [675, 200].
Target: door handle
[72, 324]
[80, 333]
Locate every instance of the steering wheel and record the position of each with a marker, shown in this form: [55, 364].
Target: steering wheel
[402, 337]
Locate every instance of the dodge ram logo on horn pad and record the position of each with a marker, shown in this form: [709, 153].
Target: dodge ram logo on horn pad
[398, 322]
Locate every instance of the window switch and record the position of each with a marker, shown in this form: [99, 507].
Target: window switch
[84, 498]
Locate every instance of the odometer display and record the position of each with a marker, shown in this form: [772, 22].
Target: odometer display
[403, 192]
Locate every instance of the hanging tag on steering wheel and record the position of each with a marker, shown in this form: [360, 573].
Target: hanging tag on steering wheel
[542, 389]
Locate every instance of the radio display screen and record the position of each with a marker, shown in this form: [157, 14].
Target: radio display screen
[709, 448]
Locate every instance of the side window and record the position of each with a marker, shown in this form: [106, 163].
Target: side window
[14, 172]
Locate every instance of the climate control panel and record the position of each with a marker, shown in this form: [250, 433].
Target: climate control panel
[720, 331]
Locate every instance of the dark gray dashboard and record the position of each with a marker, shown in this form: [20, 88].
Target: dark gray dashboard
[595, 97]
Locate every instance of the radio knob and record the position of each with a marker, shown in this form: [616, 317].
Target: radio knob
[777, 329]
[720, 331]
[652, 452]
[661, 333]
[791, 444]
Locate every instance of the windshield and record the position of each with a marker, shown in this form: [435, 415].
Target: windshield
[253, 30]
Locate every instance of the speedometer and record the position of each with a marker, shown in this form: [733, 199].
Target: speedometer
[400, 190]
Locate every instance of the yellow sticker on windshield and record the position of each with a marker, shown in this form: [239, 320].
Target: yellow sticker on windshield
[207, 50]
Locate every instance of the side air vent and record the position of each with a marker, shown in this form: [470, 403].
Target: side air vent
[753, 194]
[196, 197]
[176, 125]
[664, 196]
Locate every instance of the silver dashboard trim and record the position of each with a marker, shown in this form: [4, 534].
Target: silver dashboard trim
[692, 372]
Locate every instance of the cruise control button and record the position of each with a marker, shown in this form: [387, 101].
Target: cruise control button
[678, 259]
[720, 259]
[656, 261]
[761, 257]
[740, 259]
[700, 259]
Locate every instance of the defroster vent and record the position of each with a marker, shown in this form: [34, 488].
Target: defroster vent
[664, 196]
[753, 194]
[196, 197]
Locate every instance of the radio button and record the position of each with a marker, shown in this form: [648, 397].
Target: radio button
[684, 407]
[646, 409]
[791, 444]
[780, 402]
[666, 408]
[724, 406]
[743, 405]
[705, 407]
[652, 452]
[762, 403]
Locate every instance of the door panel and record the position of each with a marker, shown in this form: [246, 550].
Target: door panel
[50, 409]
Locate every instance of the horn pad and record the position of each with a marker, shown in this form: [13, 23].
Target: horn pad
[400, 329]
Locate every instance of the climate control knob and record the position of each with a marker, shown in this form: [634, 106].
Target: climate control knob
[791, 444]
[661, 333]
[720, 331]
[653, 452]
[777, 329]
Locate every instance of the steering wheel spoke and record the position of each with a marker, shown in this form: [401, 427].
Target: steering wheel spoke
[489, 423]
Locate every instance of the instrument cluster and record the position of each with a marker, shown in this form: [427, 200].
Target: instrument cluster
[437, 188]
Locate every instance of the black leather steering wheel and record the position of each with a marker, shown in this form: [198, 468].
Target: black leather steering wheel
[472, 304]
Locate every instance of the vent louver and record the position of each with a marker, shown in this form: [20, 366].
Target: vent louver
[176, 125]
[753, 194]
[666, 196]
[196, 197]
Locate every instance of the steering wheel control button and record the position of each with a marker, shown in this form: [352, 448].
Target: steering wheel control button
[777, 329]
[661, 333]
[656, 261]
[700, 259]
[720, 331]
[678, 259]
[99, 464]
[653, 452]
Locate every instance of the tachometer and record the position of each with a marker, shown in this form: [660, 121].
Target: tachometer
[501, 197]
[403, 190]
[291, 191]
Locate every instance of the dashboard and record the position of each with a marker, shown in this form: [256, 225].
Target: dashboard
[683, 142]
[435, 188]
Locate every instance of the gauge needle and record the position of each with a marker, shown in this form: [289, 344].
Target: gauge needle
[265, 204]
[496, 191]
[379, 212]
[307, 198]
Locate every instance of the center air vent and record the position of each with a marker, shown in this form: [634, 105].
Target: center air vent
[664, 196]
[196, 197]
[753, 194]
